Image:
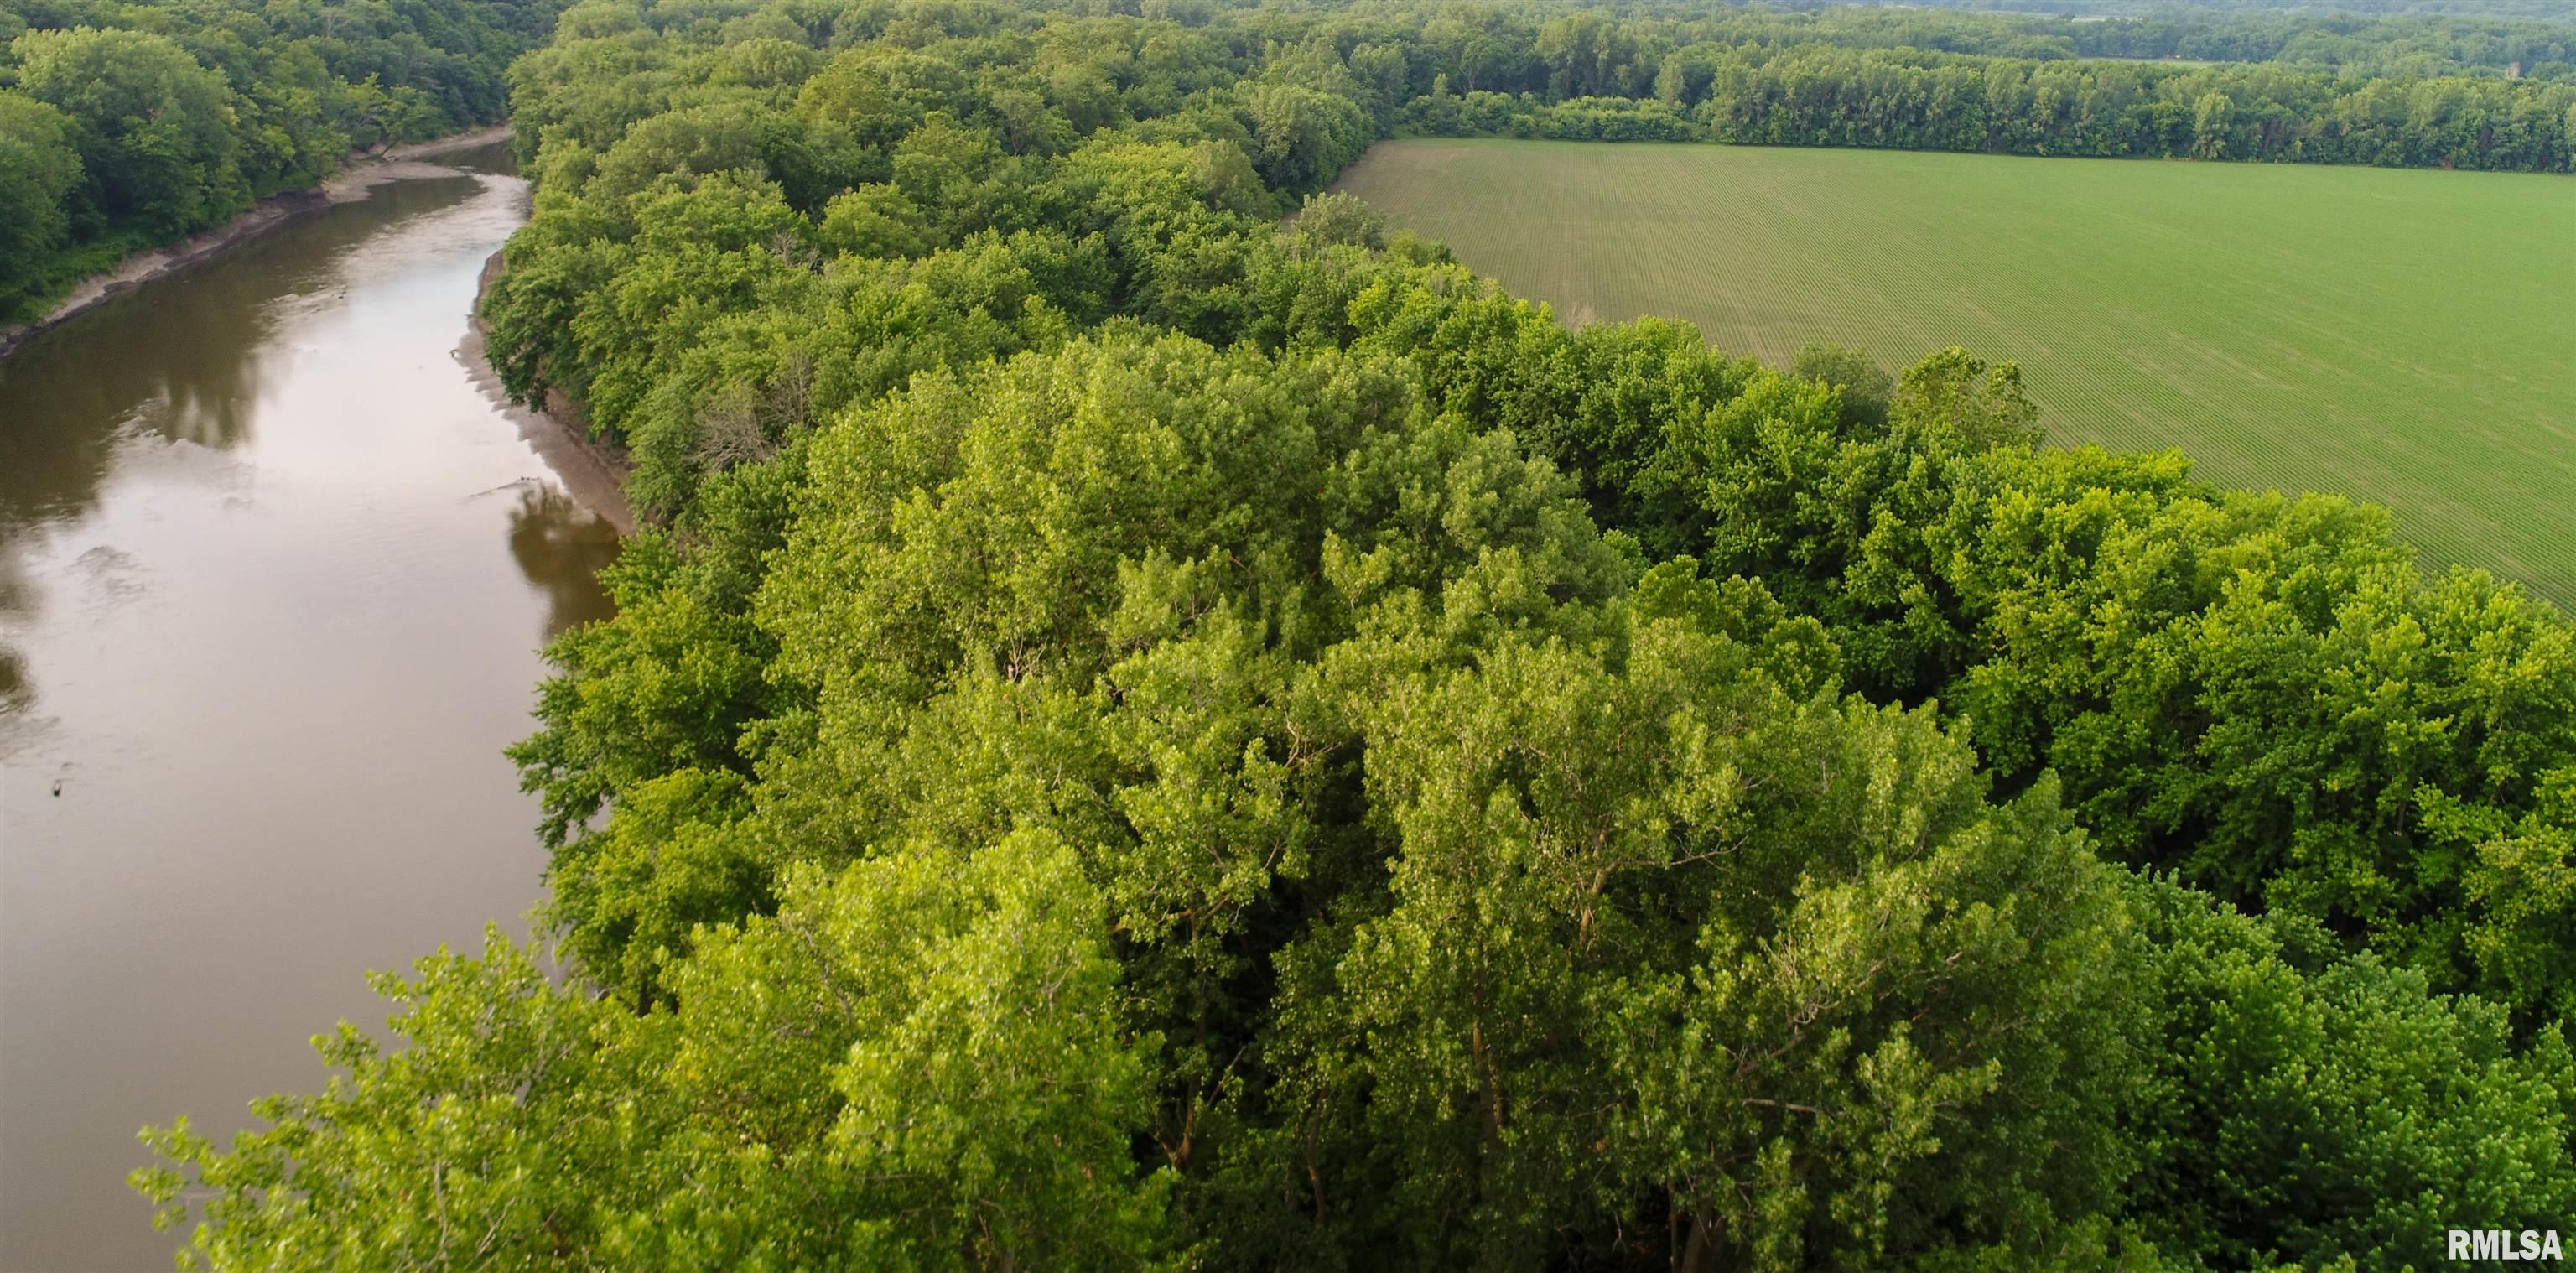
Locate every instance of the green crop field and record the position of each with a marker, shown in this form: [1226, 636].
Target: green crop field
[2405, 337]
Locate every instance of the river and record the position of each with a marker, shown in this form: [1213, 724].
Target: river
[274, 574]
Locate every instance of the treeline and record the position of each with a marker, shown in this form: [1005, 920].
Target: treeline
[2304, 39]
[2333, 42]
[1607, 87]
[1558, 51]
[124, 126]
[2540, 10]
[1139, 737]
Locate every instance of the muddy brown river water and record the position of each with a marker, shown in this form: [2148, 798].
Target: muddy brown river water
[274, 574]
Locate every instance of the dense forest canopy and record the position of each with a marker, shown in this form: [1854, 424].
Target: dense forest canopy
[127, 125]
[1140, 735]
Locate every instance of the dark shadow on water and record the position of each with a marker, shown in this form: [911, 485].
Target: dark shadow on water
[15, 692]
[561, 547]
[494, 158]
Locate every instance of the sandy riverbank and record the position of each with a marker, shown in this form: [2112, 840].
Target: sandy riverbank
[593, 472]
[350, 183]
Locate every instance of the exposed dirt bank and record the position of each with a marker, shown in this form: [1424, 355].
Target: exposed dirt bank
[594, 472]
[350, 183]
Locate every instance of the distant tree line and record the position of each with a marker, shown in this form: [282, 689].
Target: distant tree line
[1591, 76]
[1137, 736]
[2305, 38]
[2292, 10]
[2331, 42]
[124, 126]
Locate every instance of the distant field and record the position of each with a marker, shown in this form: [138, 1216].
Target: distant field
[2407, 337]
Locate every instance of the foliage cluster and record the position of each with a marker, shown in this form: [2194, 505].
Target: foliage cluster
[1144, 737]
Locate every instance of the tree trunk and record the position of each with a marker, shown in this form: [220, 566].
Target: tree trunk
[1695, 1252]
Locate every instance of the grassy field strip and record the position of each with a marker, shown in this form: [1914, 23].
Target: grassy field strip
[2403, 337]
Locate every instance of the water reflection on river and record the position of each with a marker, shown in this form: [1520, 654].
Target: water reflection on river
[273, 575]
